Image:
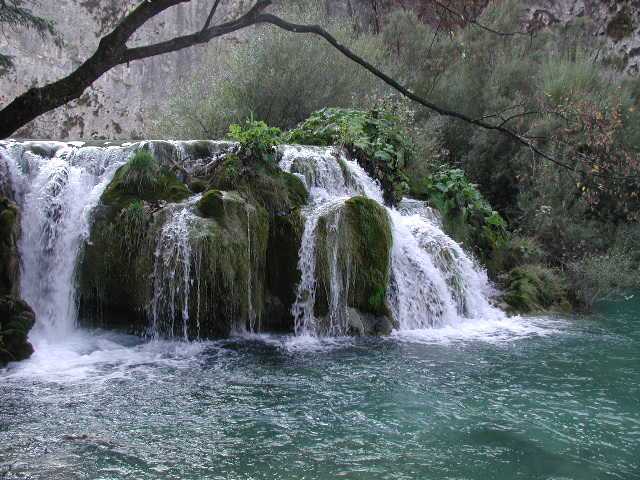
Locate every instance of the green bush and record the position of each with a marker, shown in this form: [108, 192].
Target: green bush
[374, 137]
[272, 75]
[533, 288]
[467, 216]
[257, 140]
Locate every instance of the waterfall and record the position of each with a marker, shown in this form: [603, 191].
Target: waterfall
[172, 275]
[56, 185]
[433, 281]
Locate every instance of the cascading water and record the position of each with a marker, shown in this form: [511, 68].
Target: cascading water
[56, 185]
[172, 276]
[433, 281]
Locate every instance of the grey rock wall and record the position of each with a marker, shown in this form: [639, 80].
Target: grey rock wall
[118, 104]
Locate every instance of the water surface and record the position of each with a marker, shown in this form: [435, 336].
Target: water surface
[523, 398]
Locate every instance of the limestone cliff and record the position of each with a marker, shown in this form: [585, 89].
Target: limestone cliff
[119, 104]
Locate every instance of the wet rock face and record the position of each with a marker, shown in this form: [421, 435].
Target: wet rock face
[9, 261]
[16, 319]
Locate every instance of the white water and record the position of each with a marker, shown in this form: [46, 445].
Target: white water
[56, 194]
[434, 282]
[172, 276]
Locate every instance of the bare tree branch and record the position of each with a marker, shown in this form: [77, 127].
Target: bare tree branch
[317, 30]
[211, 14]
[474, 21]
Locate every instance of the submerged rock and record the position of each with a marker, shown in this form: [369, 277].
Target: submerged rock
[16, 319]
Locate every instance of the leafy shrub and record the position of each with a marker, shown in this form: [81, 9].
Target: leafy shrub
[610, 274]
[374, 137]
[467, 216]
[272, 75]
[257, 140]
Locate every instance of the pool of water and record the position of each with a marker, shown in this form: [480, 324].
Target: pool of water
[524, 398]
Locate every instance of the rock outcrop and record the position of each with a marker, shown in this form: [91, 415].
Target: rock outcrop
[16, 317]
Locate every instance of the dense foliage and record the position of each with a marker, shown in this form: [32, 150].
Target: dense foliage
[374, 137]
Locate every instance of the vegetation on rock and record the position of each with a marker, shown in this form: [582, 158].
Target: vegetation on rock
[354, 245]
[536, 288]
[16, 319]
[142, 178]
[373, 137]
[9, 262]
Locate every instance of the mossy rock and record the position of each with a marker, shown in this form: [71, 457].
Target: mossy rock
[283, 276]
[16, 320]
[356, 240]
[116, 266]
[227, 264]
[535, 288]
[197, 185]
[230, 264]
[260, 183]
[142, 178]
[212, 204]
[9, 260]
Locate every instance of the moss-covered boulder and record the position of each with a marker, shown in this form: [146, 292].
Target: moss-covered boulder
[16, 319]
[9, 233]
[281, 195]
[229, 264]
[535, 288]
[352, 267]
[212, 204]
[243, 240]
[142, 178]
[118, 260]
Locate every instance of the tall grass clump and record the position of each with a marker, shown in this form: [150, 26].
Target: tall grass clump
[140, 174]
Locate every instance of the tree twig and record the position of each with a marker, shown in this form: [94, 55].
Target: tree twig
[211, 14]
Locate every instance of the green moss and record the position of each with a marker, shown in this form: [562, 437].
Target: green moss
[360, 232]
[9, 261]
[142, 178]
[212, 204]
[260, 183]
[227, 174]
[620, 26]
[532, 288]
[197, 185]
[371, 241]
[231, 257]
[8, 218]
[16, 320]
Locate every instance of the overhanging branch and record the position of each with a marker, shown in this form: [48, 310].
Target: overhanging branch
[317, 30]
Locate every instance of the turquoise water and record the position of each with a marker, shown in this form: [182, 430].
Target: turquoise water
[514, 399]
